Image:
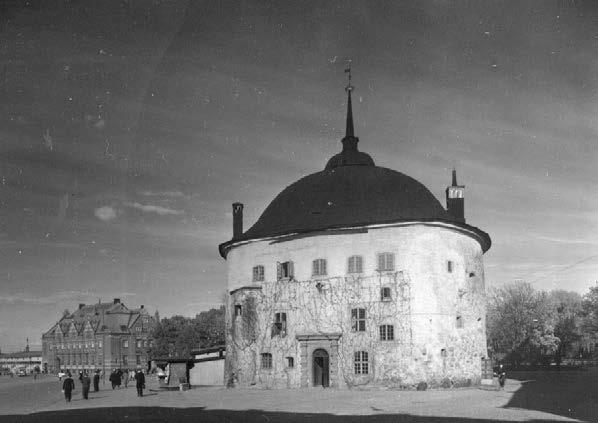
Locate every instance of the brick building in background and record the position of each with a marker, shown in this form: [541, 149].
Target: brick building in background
[102, 336]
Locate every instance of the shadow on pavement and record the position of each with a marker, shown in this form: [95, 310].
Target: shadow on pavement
[199, 414]
[572, 394]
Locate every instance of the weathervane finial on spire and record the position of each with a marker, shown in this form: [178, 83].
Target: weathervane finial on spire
[349, 131]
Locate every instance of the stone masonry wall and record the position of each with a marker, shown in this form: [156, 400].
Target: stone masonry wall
[438, 316]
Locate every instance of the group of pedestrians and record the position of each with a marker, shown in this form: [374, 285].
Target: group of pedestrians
[68, 386]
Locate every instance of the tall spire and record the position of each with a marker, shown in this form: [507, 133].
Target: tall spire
[454, 177]
[349, 132]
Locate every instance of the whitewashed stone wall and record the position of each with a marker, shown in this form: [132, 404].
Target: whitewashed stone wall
[426, 299]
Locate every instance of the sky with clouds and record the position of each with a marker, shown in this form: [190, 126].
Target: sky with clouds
[128, 129]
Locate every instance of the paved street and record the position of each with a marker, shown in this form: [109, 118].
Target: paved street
[551, 396]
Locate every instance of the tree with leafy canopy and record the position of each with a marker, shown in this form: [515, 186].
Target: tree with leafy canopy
[177, 336]
[567, 306]
[520, 324]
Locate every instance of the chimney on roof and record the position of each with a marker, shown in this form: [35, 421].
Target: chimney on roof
[81, 305]
[237, 220]
[141, 306]
[117, 301]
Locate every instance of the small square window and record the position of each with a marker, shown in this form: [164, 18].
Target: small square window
[285, 270]
[386, 262]
[358, 319]
[238, 310]
[387, 333]
[385, 294]
[290, 362]
[355, 264]
[319, 267]
[449, 266]
[258, 273]
[266, 361]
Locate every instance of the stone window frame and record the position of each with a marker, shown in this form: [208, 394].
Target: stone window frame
[361, 363]
[285, 270]
[238, 310]
[387, 332]
[355, 264]
[386, 261]
[266, 361]
[358, 319]
[319, 267]
[385, 293]
[259, 273]
[279, 327]
[290, 362]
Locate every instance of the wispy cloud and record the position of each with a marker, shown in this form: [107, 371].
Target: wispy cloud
[566, 240]
[150, 208]
[105, 213]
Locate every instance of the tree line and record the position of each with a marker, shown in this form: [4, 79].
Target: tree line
[529, 326]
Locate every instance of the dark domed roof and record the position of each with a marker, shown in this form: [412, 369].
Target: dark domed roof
[346, 196]
[351, 192]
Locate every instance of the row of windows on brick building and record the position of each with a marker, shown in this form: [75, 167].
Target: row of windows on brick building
[140, 343]
[285, 270]
[89, 359]
[361, 363]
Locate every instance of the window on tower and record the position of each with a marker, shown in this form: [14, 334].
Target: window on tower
[386, 262]
[355, 264]
[285, 270]
[280, 324]
[258, 273]
[319, 267]
[361, 363]
[358, 319]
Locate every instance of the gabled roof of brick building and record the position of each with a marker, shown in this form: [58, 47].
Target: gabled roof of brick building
[112, 317]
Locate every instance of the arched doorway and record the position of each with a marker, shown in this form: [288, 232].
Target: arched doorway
[320, 368]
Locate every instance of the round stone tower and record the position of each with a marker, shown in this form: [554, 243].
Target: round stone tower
[356, 275]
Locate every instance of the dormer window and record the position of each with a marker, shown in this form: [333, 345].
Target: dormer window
[355, 264]
[319, 267]
[386, 262]
[285, 270]
[258, 273]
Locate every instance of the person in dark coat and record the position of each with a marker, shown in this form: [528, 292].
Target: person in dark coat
[85, 384]
[96, 381]
[113, 377]
[140, 382]
[68, 386]
[501, 373]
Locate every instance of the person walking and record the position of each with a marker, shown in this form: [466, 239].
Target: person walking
[140, 382]
[126, 377]
[96, 381]
[68, 386]
[85, 385]
[501, 372]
